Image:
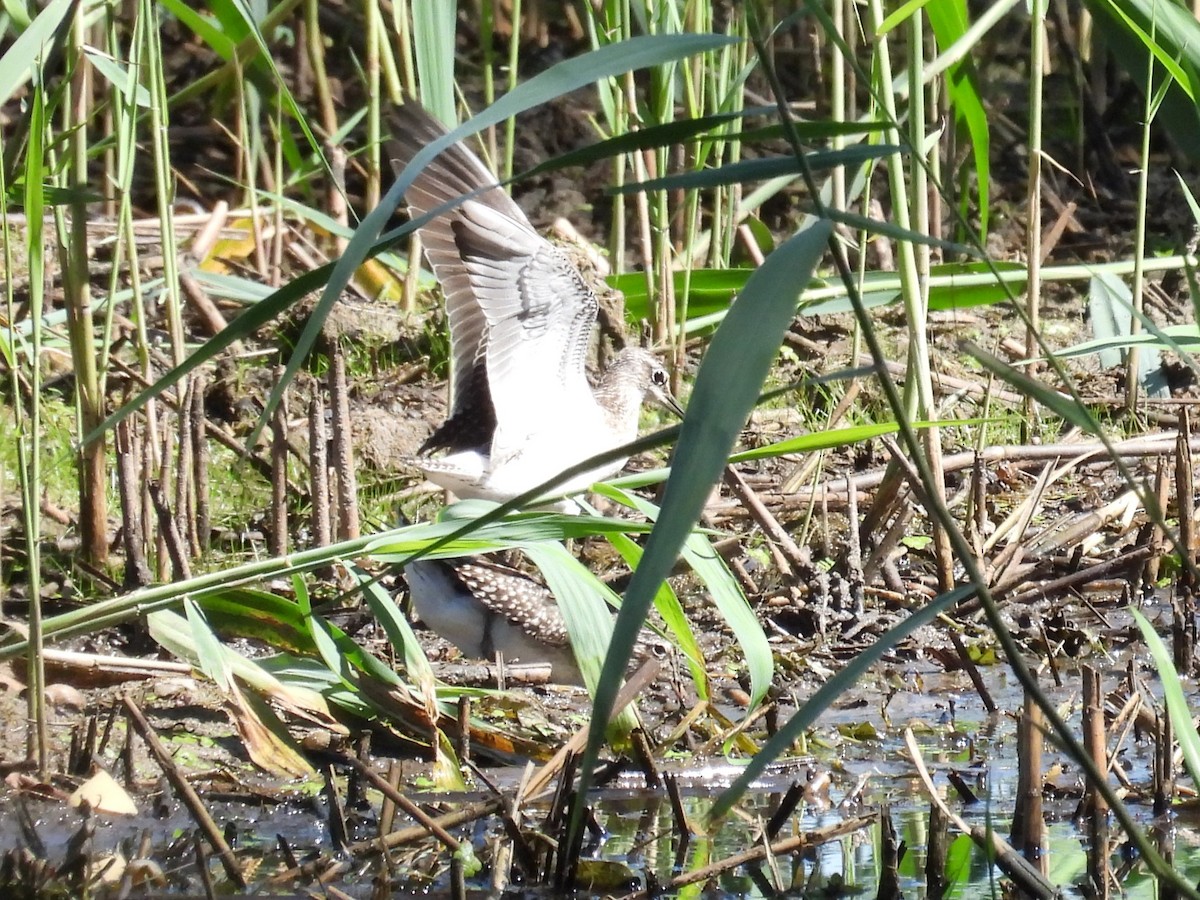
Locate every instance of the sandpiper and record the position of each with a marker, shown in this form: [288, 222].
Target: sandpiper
[521, 317]
[484, 608]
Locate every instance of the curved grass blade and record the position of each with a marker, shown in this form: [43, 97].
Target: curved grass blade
[782, 740]
[671, 610]
[32, 44]
[208, 648]
[840, 437]
[175, 634]
[726, 388]
[589, 620]
[1177, 705]
[400, 634]
[726, 595]
[1061, 404]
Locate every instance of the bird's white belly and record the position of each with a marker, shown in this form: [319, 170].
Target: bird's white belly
[520, 463]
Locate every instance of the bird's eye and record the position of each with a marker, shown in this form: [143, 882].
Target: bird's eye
[659, 378]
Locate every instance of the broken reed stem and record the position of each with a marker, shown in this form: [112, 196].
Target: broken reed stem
[1095, 733]
[889, 858]
[937, 846]
[339, 831]
[1029, 826]
[184, 468]
[683, 827]
[1095, 738]
[1164, 764]
[1023, 873]
[186, 793]
[318, 469]
[129, 490]
[537, 784]
[164, 553]
[168, 534]
[415, 813]
[1185, 499]
[278, 532]
[787, 805]
[972, 671]
[343, 453]
[788, 557]
[200, 461]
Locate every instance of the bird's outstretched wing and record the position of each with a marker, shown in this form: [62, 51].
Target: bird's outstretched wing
[520, 313]
[452, 174]
[537, 306]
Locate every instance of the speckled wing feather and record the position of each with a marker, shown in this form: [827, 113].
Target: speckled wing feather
[518, 598]
[520, 313]
[449, 176]
[539, 312]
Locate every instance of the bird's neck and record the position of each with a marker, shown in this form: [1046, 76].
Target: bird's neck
[620, 397]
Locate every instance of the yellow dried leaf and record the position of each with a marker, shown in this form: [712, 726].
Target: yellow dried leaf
[102, 793]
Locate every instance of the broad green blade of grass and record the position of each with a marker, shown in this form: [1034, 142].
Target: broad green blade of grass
[648, 138]
[950, 21]
[1177, 705]
[337, 649]
[897, 233]
[308, 673]
[400, 634]
[724, 592]
[1112, 314]
[726, 389]
[957, 873]
[674, 620]
[205, 28]
[33, 44]
[818, 440]
[809, 131]
[1192, 281]
[781, 742]
[1180, 338]
[208, 648]
[246, 612]
[841, 437]
[433, 49]
[119, 76]
[174, 633]
[1122, 296]
[580, 596]
[951, 286]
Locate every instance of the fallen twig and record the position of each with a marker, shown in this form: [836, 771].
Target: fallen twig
[187, 794]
